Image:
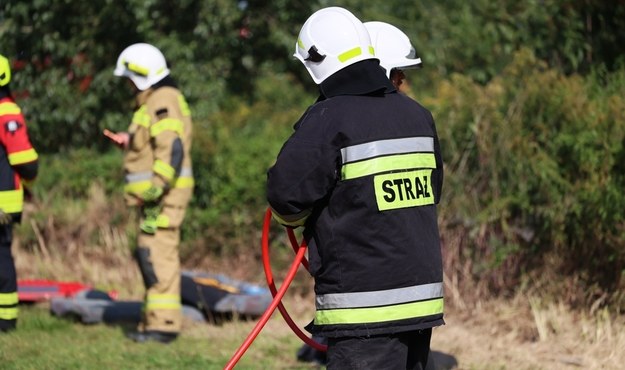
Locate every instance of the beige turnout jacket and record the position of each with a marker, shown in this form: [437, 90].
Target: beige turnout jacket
[160, 134]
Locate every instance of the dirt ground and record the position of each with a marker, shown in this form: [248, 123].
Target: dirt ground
[527, 334]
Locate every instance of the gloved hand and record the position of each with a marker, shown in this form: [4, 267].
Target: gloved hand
[150, 215]
[5, 218]
[151, 209]
[151, 195]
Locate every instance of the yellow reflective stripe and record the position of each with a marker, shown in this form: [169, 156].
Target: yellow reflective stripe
[371, 50]
[8, 313]
[179, 183]
[403, 189]
[300, 43]
[9, 108]
[184, 106]
[7, 299]
[379, 314]
[141, 117]
[349, 54]
[183, 182]
[164, 169]
[25, 156]
[141, 186]
[171, 124]
[388, 163]
[12, 201]
[137, 187]
[386, 297]
[137, 69]
[163, 302]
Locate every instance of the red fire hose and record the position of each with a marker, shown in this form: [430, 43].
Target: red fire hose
[272, 286]
[300, 250]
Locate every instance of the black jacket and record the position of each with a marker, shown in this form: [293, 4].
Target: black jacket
[365, 162]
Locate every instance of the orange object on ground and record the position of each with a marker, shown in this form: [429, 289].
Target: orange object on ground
[43, 290]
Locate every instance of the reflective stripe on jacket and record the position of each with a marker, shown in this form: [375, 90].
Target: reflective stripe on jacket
[159, 151]
[15, 151]
[368, 168]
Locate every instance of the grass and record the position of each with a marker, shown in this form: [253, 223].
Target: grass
[523, 333]
[44, 341]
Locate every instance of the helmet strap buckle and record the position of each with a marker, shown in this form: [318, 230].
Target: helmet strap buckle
[314, 56]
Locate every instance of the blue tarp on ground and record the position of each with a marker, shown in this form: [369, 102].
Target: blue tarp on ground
[204, 297]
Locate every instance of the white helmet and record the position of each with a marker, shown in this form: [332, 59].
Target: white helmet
[330, 40]
[143, 63]
[392, 47]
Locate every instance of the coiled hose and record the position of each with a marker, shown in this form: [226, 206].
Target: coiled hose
[300, 250]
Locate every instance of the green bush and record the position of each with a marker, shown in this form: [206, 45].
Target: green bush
[534, 168]
[71, 174]
[231, 156]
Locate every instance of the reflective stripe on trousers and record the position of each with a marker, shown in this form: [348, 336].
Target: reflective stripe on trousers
[137, 183]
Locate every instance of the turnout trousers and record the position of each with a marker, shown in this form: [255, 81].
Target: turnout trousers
[406, 350]
[8, 281]
[158, 258]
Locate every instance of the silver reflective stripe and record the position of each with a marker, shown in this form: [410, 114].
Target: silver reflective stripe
[138, 176]
[144, 176]
[186, 172]
[385, 147]
[379, 297]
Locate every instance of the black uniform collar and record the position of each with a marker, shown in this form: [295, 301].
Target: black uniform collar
[361, 78]
[166, 81]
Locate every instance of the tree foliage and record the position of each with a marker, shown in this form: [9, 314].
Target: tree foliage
[63, 54]
[479, 38]
[63, 51]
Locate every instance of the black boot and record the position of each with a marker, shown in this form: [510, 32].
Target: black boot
[7, 329]
[152, 335]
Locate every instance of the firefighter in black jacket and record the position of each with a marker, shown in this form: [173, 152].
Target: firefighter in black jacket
[363, 173]
[18, 169]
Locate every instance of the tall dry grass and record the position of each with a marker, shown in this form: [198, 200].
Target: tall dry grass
[88, 241]
[531, 333]
[91, 240]
[543, 323]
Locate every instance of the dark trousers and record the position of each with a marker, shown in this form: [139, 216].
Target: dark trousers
[8, 281]
[408, 350]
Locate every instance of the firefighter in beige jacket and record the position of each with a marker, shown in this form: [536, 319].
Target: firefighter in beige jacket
[159, 180]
